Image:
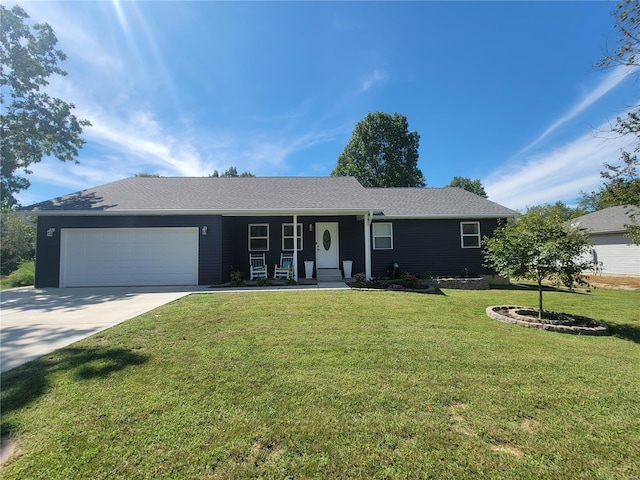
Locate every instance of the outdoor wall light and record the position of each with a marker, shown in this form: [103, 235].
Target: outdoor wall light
[311, 227]
[204, 230]
[50, 232]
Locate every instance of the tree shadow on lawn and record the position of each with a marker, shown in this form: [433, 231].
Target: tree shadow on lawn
[24, 384]
[625, 331]
[534, 288]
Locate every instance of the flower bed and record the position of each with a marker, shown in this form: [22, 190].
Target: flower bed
[552, 321]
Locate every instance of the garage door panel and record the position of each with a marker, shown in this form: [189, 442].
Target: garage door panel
[129, 256]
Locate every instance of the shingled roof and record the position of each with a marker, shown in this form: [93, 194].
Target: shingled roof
[224, 195]
[449, 202]
[268, 196]
[608, 220]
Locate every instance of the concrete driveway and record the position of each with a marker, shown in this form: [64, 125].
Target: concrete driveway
[35, 322]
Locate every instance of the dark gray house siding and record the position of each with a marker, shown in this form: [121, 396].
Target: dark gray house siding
[47, 254]
[432, 247]
[48, 248]
[235, 241]
[419, 246]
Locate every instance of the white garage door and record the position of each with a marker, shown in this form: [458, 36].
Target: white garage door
[128, 256]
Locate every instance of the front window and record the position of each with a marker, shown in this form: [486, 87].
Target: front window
[382, 236]
[287, 236]
[470, 234]
[258, 237]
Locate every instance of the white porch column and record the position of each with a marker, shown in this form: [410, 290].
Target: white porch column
[295, 247]
[368, 218]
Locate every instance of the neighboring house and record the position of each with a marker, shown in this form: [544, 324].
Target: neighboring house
[188, 231]
[612, 251]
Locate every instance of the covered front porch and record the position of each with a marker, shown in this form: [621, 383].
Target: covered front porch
[321, 245]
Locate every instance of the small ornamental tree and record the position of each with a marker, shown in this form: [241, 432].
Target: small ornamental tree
[538, 246]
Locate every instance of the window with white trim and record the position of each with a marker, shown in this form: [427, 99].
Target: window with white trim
[287, 236]
[258, 237]
[382, 236]
[470, 234]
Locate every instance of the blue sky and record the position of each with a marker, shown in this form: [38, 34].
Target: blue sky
[504, 92]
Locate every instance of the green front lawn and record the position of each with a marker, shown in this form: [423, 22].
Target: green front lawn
[335, 384]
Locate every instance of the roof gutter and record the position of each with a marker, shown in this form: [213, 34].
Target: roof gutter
[458, 216]
[275, 212]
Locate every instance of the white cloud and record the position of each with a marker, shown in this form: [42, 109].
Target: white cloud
[610, 81]
[77, 36]
[121, 146]
[375, 78]
[559, 174]
[533, 178]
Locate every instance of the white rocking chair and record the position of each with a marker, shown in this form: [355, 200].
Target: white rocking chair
[257, 266]
[285, 269]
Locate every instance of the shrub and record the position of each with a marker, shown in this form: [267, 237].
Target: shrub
[263, 282]
[236, 278]
[360, 279]
[17, 242]
[410, 281]
[23, 276]
[376, 282]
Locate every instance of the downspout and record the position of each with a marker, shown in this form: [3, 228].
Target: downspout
[26, 221]
[368, 218]
[295, 247]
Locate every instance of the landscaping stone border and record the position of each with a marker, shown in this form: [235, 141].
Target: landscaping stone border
[509, 314]
[459, 283]
[427, 284]
[398, 288]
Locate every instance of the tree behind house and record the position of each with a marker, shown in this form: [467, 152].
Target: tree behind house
[231, 172]
[473, 186]
[382, 152]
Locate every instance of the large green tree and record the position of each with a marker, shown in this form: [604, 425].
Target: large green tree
[539, 245]
[382, 152]
[32, 123]
[473, 186]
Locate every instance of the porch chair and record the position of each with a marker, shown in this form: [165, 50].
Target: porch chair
[285, 269]
[257, 266]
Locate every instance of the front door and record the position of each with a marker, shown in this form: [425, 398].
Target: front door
[327, 245]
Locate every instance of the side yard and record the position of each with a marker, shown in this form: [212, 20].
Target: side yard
[335, 384]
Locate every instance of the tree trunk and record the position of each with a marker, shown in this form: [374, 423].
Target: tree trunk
[539, 298]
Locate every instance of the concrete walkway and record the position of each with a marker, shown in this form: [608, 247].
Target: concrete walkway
[35, 322]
